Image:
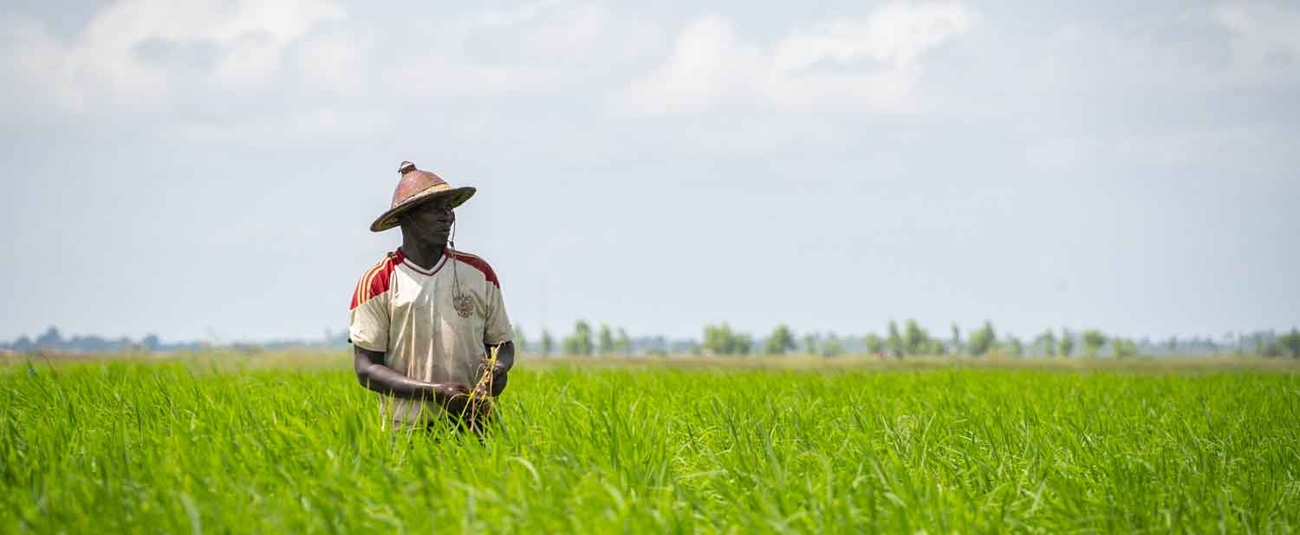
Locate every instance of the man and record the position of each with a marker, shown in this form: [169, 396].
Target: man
[425, 318]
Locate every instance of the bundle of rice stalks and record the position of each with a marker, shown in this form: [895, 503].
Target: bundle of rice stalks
[481, 403]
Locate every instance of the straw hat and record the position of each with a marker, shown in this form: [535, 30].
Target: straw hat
[417, 187]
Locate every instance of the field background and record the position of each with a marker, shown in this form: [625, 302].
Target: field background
[288, 442]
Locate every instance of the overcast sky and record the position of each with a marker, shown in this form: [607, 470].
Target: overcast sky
[198, 169]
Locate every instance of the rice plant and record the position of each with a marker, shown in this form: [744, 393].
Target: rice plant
[185, 447]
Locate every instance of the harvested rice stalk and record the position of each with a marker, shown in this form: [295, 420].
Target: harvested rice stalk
[481, 402]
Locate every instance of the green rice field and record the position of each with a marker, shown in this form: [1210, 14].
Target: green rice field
[201, 447]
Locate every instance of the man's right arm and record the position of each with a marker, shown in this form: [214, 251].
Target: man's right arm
[374, 375]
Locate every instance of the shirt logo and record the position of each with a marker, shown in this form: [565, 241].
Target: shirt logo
[463, 304]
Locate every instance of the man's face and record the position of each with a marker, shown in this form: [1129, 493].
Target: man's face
[430, 223]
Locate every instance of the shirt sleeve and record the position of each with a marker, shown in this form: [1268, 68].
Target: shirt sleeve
[497, 329]
[368, 325]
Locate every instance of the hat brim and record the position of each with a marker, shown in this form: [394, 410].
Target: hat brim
[454, 197]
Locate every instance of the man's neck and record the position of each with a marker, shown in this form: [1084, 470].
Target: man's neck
[422, 253]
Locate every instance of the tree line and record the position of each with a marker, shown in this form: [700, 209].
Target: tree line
[895, 341]
[910, 340]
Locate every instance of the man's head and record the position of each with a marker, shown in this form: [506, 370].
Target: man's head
[429, 223]
[415, 190]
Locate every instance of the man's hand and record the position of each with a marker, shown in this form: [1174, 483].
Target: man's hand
[460, 401]
[452, 396]
[499, 378]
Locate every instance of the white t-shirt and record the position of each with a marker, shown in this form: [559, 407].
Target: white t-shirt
[432, 323]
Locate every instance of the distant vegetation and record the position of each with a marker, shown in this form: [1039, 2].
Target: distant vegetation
[53, 341]
[911, 339]
[914, 340]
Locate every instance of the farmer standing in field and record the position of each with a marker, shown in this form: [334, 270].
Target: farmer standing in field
[425, 318]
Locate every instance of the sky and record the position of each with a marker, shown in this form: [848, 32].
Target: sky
[209, 169]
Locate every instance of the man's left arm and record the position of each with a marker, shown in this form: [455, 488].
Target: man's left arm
[499, 334]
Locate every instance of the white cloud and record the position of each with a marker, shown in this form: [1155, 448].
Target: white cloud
[535, 47]
[212, 69]
[246, 39]
[1166, 90]
[707, 63]
[290, 72]
[896, 35]
[148, 57]
[850, 65]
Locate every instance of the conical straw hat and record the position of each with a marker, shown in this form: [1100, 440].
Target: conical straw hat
[417, 187]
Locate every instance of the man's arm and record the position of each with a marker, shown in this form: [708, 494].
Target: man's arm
[374, 375]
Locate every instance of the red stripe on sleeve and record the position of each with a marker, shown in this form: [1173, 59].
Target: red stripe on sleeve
[479, 264]
[375, 281]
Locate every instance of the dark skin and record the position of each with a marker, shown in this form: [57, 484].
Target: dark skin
[425, 230]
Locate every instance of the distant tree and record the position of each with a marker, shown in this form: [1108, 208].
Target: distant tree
[982, 340]
[622, 342]
[569, 345]
[875, 345]
[1014, 347]
[934, 347]
[605, 340]
[1124, 347]
[780, 341]
[521, 342]
[1272, 347]
[1172, 344]
[742, 344]
[152, 343]
[51, 339]
[1046, 343]
[810, 344]
[895, 341]
[548, 343]
[717, 339]
[1093, 340]
[24, 344]
[721, 340]
[582, 332]
[1291, 342]
[1066, 343]
[579, 343]
[915, 339]
[956, 339]
[833, 347]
